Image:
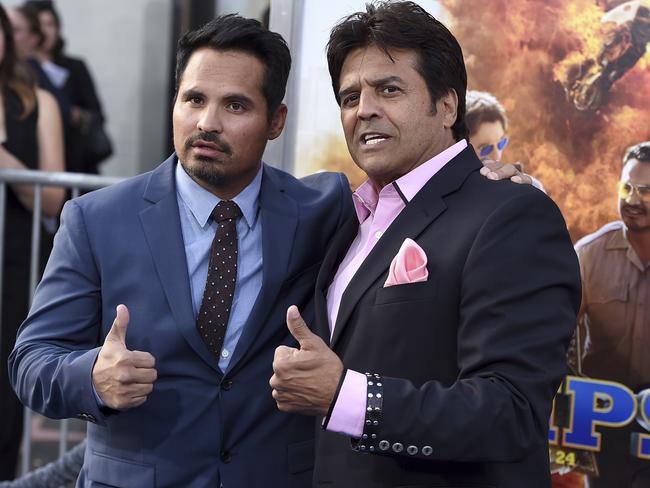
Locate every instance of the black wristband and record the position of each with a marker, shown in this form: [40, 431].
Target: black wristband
[326, 420]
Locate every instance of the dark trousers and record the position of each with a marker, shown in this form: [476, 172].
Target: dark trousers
[14, 309]
[11, 430]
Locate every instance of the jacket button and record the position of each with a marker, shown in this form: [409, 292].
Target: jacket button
[225, 456]
[226, 385]
[87, 416]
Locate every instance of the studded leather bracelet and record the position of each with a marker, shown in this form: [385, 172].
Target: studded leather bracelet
[372, 420]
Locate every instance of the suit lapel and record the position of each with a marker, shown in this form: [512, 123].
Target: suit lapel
[427, 205]
[333, 257]
[162, 228]
[279, 214]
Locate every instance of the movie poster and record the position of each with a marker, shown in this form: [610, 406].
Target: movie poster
[574, 79]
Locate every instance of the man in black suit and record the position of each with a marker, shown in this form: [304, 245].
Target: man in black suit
[456, 296]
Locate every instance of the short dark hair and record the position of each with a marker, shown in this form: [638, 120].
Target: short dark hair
[404, 25]
[640, 152]
[483, 107]
[234, 33]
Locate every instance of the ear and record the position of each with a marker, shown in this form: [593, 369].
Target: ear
[277, 122]
[448, 104]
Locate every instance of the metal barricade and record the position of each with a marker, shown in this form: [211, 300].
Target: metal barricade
[76, 182]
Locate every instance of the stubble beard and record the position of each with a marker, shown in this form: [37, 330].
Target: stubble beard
[208, 171]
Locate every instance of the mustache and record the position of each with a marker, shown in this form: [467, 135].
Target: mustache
[371, 127]
[223, 146]
[627, 206]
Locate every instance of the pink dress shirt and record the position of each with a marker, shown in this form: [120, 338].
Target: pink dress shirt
[375, 212]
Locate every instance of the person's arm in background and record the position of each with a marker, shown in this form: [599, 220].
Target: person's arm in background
[50, 156]
[55, 474]
[88, 100]
[582, 334]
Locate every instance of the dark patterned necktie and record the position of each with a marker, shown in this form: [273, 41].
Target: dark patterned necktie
[222, 273]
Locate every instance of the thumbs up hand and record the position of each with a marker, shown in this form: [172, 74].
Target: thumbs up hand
[122, 378]
[304, 380]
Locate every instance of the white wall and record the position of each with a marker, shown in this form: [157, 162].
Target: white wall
[249, 8]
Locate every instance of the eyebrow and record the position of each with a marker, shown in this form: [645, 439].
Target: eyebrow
[374, 83]
[239, 97]
[191, 92]
[229, 97]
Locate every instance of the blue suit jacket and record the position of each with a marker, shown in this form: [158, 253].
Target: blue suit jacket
[199, 427]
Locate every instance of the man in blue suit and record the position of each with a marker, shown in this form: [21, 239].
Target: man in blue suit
[134, 326]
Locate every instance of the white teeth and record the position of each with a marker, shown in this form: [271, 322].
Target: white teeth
[375, 141]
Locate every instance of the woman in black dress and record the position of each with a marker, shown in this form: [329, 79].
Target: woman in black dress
[31, 137]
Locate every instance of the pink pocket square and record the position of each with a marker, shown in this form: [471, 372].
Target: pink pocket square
[408, 266]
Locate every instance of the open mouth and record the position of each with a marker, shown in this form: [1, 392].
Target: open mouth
[373, 138]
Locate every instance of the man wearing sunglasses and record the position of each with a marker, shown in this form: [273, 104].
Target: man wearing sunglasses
[488, 125]
[615, 313]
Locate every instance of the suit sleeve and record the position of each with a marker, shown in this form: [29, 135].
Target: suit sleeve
[347, 207]
[519, 296]
[51, 364]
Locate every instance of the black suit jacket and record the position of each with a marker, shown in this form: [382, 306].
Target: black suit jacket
[471, 358]
[79, 89]
[79, 86]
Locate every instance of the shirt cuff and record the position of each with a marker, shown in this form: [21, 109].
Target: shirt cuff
[349, 410]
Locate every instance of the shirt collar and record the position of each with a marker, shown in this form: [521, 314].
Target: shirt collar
[201, 202]
[618, 239]
[366, 198]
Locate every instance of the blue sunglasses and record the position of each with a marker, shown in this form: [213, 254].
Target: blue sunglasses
[487, 150]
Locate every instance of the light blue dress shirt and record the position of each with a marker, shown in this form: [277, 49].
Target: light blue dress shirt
[195, 204]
